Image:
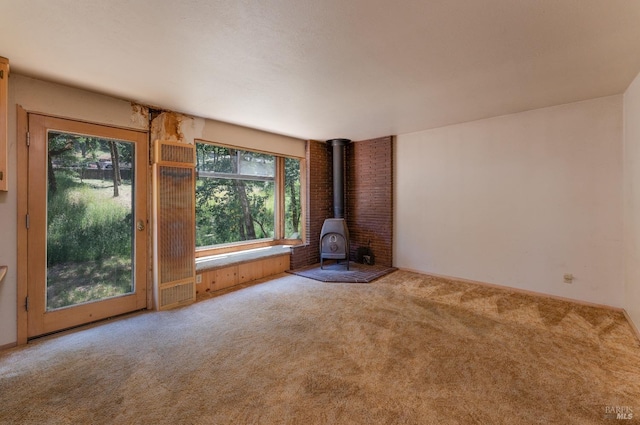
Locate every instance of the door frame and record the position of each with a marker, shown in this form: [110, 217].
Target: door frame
[22, 210]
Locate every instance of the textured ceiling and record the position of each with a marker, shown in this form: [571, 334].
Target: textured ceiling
[332, 68]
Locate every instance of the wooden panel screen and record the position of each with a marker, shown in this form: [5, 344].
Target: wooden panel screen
[174, 218]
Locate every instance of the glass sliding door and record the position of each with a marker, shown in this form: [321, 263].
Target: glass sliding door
[86, 223]
[90, 210]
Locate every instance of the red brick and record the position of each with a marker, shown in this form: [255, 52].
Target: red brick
[369, 198]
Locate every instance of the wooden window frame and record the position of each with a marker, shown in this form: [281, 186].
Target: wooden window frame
[22, 181]
[279, 182]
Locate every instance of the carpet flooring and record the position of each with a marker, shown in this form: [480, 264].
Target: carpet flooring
[337, 272]
[405, 349]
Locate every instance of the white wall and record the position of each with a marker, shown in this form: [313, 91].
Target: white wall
[632, 200]
[517, 200]
[202, 129]
[230, 134]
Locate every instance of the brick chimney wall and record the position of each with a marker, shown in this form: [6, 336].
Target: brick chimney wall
[369, 204]
[319, 203]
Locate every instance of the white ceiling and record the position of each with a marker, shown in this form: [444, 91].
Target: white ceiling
[330, 68]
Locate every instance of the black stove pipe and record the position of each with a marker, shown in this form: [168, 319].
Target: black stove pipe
[338, 175]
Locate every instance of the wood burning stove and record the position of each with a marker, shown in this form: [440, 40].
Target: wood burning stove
[334, 237]
[334, 240]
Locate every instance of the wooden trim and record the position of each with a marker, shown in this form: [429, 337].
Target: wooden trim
[206, 266]
[31, 244]
[279, 228]
[245, 246]
[47, 114]
[303, 201]
[158, 159]
[516, 290]
[22, 182]
[161, 256]
[243, 148]
[7, 346]
[279, 195]
[229, 275]
[4, 124]
[151, 238]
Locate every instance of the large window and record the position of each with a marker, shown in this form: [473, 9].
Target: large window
[245, 197]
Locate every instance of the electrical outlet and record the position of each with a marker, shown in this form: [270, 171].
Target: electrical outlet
[568, 278]
[198, 278]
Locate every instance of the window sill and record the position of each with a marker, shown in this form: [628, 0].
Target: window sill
[238, 247]
[239, 257]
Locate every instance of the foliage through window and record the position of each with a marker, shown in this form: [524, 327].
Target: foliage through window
[238, 193]
[90, 209]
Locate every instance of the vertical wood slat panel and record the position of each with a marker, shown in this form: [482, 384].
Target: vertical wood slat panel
[175, 237]
[174, 172]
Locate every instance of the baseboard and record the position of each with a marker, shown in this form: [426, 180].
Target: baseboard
[633, 325]
[7, 346]
[518, 290]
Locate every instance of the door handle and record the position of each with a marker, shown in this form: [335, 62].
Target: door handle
[140, 225]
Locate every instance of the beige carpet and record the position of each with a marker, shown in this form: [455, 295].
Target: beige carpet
[405, 349]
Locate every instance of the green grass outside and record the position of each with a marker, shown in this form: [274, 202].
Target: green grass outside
[89, 252]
